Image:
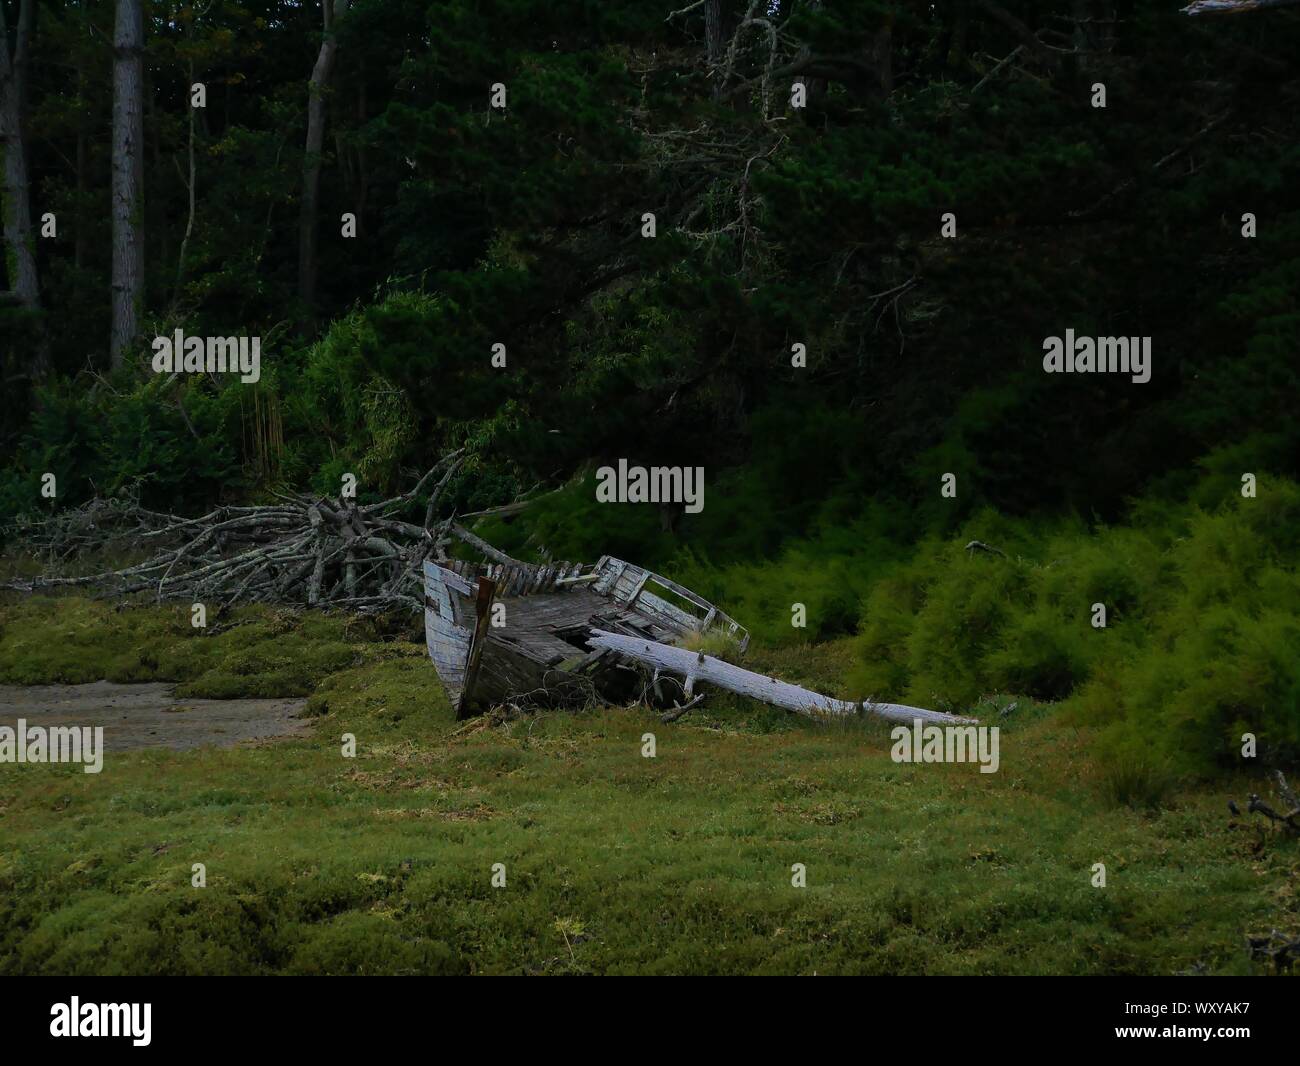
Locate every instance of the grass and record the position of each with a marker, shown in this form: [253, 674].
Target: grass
[254, 651]
[614, 863]
[716, 642]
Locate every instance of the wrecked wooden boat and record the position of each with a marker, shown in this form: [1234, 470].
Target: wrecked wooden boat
[503, 632]
[510, 632]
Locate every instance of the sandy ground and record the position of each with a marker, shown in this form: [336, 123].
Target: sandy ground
[149, 716]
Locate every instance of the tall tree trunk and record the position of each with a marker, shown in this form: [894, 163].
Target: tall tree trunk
[22, 54]
[814, 86]
[955, 57]
[156, 220]
[331, 12]
[128, 177]
[880, 54]
[79, 222]
[19, 239]
[713, 40]
[363, 173]
[191, 183]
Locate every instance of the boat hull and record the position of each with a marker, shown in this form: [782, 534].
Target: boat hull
[501, 634]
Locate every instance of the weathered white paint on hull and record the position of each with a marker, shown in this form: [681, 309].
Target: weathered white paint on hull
[447, 641]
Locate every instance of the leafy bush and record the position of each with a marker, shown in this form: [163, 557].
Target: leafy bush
[1202, 641]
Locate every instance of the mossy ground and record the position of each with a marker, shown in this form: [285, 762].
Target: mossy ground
[615, 863]
[252, 651]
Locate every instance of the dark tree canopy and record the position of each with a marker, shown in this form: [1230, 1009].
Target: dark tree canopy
[776, 225]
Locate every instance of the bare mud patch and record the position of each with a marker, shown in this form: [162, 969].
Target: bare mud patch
[150, 716]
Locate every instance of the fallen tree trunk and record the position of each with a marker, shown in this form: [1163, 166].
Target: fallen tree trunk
[1233, 7]
[696, 667]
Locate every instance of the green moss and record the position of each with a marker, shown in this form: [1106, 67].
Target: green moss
[614, 863]
[255, 651]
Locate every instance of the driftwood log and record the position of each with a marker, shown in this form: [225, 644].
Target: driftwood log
[695, 667]
[1233, 7]
[1288, 818]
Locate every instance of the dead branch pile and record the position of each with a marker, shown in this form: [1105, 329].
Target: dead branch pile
[1288, 819]
[301, 551]
[1281, 949]
[1284, 821]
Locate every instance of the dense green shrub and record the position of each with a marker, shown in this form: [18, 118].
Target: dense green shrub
[1202, 641]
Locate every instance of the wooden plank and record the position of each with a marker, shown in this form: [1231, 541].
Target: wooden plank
[610, 572]
[482, 613]
[543, 648]
[585, 579]
[629, 582]
[640, 585]
[589, 661]
[540, 580]
[504, 673]
[626, 583]
[668, 614]
[681, 591]
[713, 617]
[453, 580]
[448, 643]
[549, 613]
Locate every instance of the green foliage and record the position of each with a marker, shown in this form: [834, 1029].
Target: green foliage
[1135, 780]
[520, 228]
[716, 642]
[1200, 645]
[131, 441]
